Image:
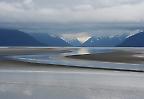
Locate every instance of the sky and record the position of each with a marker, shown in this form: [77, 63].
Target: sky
[72, 19]
[71, 11]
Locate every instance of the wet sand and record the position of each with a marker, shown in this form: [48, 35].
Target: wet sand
[115, 56]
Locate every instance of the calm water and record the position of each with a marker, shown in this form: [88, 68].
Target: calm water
[59, 84]
[58, 58]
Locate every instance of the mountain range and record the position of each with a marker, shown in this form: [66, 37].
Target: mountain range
[105, 41]
[13, 37]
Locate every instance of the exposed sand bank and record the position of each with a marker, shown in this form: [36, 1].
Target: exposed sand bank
[116, 56]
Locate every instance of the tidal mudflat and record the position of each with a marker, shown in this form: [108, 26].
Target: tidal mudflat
[34, 80]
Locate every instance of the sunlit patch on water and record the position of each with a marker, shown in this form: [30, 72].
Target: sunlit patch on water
[83, 51]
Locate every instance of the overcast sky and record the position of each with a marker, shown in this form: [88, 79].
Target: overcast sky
[68, 11]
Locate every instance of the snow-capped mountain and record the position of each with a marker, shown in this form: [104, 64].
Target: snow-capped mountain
[105, 41]
[74, 42]
[94, 41]
[75, 39]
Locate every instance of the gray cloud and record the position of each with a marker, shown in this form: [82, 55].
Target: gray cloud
[72, 3]
[71, 10]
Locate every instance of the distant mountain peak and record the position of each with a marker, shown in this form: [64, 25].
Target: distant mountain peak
[13, 37]
[83, 39]
[104, 41]
[50, 40]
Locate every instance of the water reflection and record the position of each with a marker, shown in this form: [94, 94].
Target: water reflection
[15, 91]
[44, 92]
[69, 85]
[40, 92]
